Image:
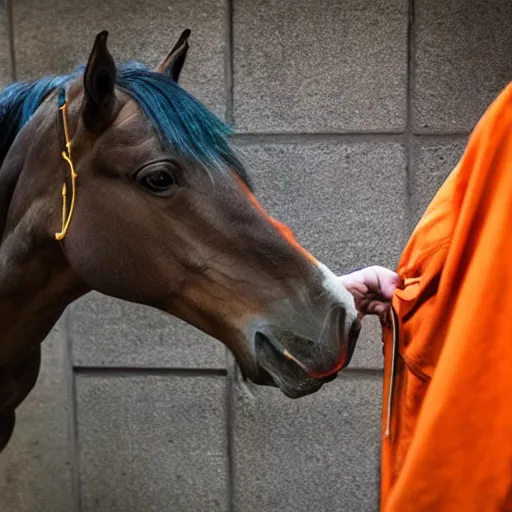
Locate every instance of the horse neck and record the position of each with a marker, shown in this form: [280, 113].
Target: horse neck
[36, 282]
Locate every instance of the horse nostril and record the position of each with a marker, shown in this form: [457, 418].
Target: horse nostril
[355, 329]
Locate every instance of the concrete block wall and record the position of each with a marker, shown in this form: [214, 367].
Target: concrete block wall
[350, 115]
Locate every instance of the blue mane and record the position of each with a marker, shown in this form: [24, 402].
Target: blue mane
[18, 103]
[181, 121]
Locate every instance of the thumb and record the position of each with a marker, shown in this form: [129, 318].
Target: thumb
[388, 281]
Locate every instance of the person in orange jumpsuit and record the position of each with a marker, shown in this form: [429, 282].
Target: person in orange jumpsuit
[447, 330]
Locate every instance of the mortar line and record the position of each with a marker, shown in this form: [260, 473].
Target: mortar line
[453, 136]
[228, 78]
[361, 371]
[315, 137]
[129, 371]
[228, 60]
[74, 451]
[409, 132]
[10, 37]
[229, 412]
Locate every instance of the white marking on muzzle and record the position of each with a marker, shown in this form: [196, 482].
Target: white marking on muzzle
[334, 286]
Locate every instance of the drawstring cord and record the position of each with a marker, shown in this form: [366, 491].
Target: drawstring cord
[394, 349]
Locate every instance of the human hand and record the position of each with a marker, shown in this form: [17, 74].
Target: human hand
[373, 289]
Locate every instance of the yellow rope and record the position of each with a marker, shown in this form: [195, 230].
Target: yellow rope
[66, 155]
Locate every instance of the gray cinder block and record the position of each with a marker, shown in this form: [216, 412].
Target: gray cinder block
[308, 455]
[432, 163]
[35, 467]
[463, 50]
[55, 36]
[110, 332]
[152, 443]
[305, 66]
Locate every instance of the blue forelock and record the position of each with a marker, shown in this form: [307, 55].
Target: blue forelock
[181, 120]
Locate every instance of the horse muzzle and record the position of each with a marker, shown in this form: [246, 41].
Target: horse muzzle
[299, 365]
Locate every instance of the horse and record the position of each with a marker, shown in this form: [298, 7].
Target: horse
[116, 179]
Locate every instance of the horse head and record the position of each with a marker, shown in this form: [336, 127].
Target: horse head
[157, 209]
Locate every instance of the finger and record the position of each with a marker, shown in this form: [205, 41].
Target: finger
[388, 282]
[355, 287]
[379, 308]
[385, 318]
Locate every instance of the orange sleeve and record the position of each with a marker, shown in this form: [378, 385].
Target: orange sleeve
[460, 458]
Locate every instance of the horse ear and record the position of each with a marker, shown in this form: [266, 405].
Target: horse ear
[172, 64]
[99, 81]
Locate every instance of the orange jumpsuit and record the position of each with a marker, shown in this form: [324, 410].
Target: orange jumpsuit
[449, 441]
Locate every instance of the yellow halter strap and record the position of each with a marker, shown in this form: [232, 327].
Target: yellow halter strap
[66, 155]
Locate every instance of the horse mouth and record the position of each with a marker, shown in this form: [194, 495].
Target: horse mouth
[279, 370]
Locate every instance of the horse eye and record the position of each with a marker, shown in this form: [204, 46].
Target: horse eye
[159, 181]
